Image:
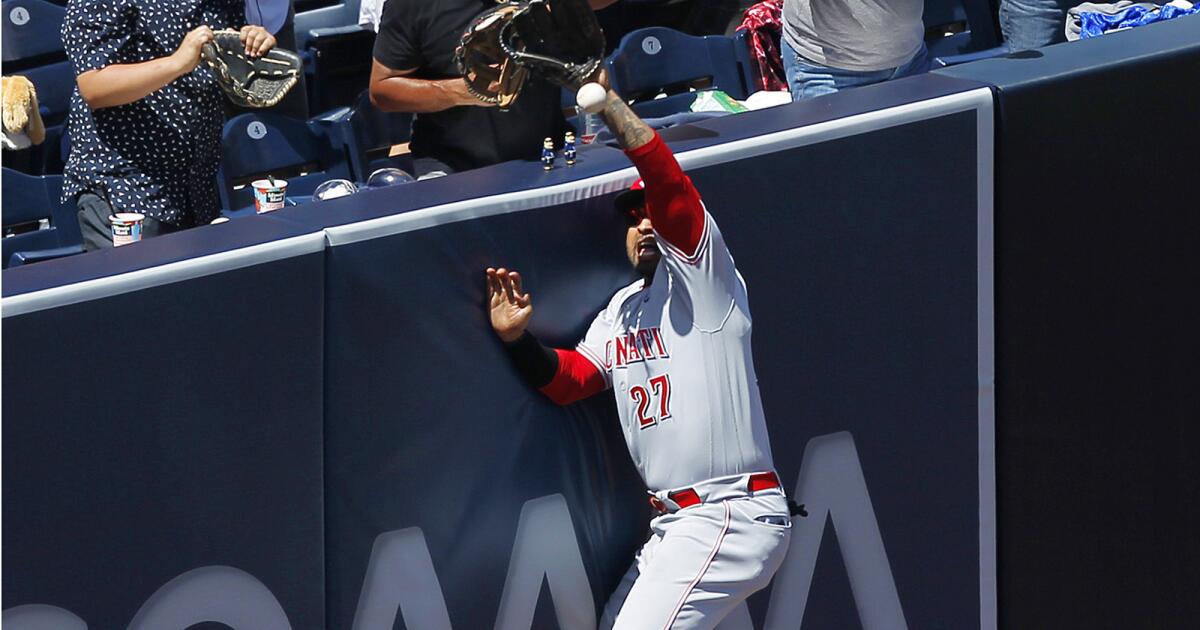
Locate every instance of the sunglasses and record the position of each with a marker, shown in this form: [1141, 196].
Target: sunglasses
[634, 215]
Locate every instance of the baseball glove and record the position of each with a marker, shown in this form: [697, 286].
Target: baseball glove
[251, 81]
[557, 40]
[491, 76]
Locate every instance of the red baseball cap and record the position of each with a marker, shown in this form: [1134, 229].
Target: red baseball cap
[632, 198]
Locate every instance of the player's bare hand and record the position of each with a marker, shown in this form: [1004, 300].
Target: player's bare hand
[599, 76]
[257, 40]
[188, 53]
[510, 308]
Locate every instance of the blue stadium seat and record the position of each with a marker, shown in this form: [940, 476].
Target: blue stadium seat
[974, 21]
[41, 226]
[322, 14]
[652, 59]
[953, 60]
[55, 83]
[337, 65]
[366, 134]
[261, 143]
[31, 31]
[41, 159]
[749, 69]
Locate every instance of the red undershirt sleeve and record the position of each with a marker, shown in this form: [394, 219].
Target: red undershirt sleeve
[671, 200]
[575, 378]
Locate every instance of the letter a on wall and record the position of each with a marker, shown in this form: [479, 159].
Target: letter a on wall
[832, 486]
[401, 578]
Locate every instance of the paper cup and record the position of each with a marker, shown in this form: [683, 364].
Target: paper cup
[126, 227]
[268, 197]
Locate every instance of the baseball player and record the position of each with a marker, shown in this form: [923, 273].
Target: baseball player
[674, 347]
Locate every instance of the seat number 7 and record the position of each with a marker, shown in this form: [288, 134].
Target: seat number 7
[653, 404]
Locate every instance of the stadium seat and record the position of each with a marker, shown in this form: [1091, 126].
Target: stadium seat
[55, 83]
[957, 27]
[953, 60]
[323, 14]
[42, 159]
[337, 65]
[749, 69]
[36, 225]
[30, 34]
[656, 59]
[367, 134]
[258, 144]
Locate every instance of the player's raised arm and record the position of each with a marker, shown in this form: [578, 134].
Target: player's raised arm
[564, 376]
[632, 132]
[671, 201]
[692, 248]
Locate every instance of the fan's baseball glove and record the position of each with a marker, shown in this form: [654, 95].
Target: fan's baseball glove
[557, 40]
[490, 74]
[251, 81]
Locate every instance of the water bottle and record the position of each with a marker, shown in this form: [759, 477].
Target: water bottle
[590, 125]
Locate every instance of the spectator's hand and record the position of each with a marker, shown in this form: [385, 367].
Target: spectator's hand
[494, 86]
[188, 53]
[257, 40]
[461, 95]
[510, 309]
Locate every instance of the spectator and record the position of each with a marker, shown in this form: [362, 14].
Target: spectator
[832, 45]
[1029, 24]
[369, 14]
[414, 71]
[763, 23]
[279, 18]
[145, 119]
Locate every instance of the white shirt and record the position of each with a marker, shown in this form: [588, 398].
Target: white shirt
[369, 12]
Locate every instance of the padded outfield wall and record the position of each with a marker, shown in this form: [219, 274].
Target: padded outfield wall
[320, 417]
[306, 409]
[1097, 404]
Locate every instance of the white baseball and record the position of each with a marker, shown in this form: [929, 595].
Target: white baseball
[591, 97]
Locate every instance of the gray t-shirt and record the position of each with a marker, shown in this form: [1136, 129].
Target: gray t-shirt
[861, 35]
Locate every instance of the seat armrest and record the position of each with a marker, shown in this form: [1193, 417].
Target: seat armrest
[38, 255]
[954, 60]
[333, 31]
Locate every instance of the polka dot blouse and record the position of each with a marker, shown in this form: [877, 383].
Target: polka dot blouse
[158, 155]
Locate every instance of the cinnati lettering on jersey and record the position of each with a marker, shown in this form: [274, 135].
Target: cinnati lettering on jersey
[644, 344]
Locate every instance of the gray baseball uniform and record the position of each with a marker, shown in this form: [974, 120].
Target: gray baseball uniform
[677, 354]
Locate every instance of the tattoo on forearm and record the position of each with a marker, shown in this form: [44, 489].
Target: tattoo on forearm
[631, 131]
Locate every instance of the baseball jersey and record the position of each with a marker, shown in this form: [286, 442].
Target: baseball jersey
[677, 354]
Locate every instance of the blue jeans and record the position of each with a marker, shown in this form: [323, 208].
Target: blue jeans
[807, 80]
[1029, 24]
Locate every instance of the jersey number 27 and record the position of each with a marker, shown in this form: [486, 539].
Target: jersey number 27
[653, 404]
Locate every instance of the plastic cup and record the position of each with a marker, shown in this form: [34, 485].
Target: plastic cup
[126, 227]
[269, 194]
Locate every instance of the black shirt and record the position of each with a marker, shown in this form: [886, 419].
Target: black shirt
[158, 155]
[422, 35]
